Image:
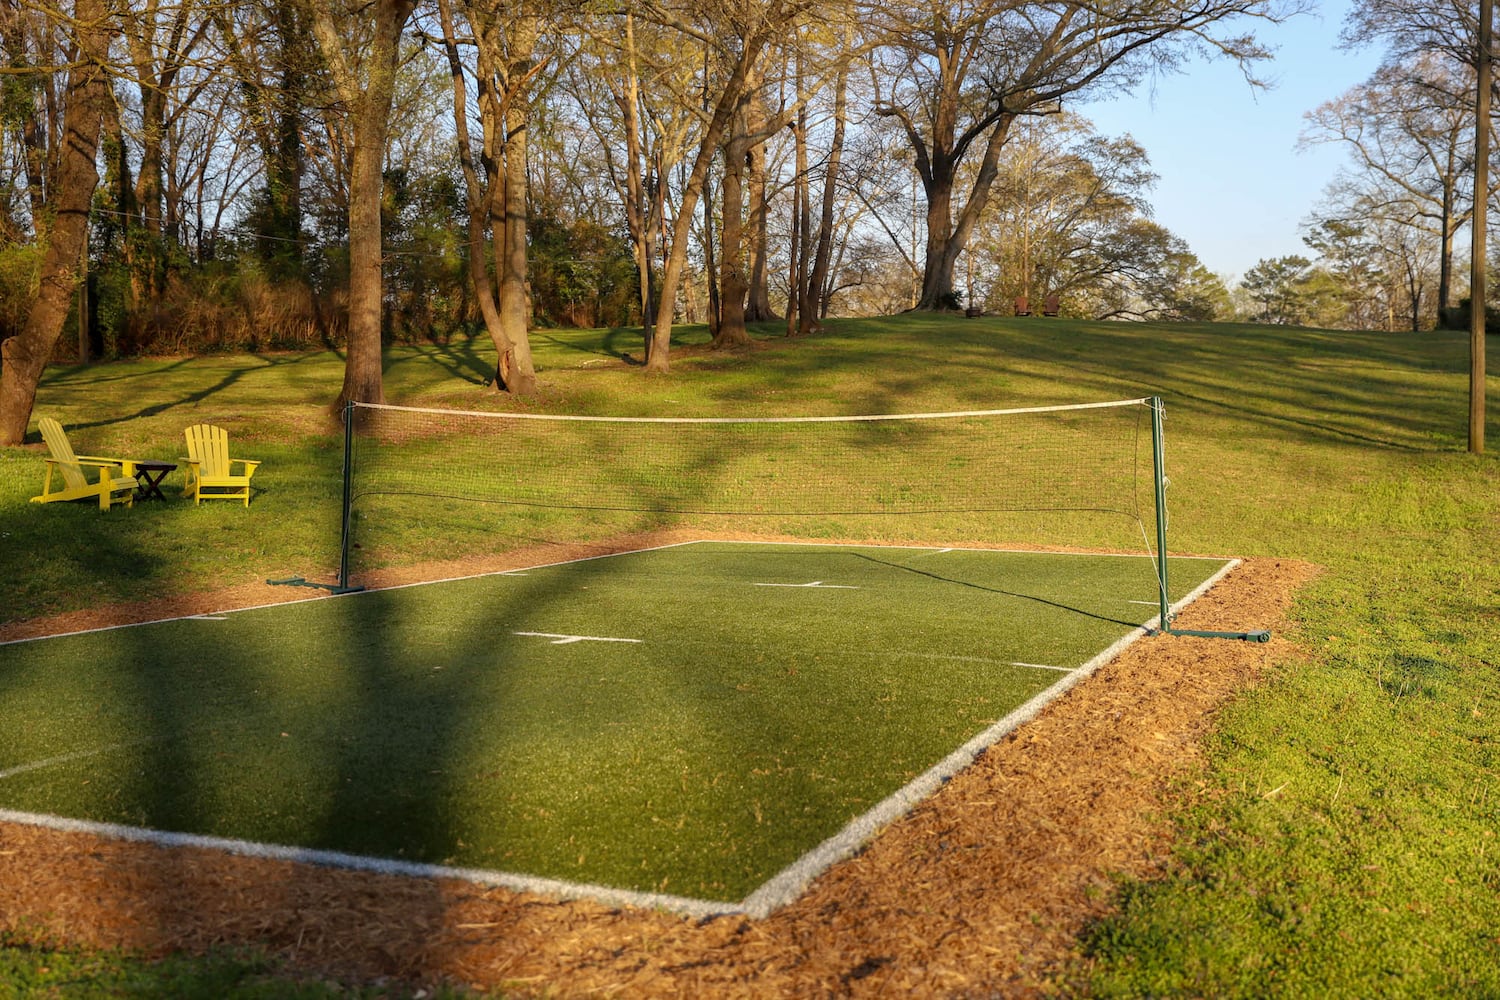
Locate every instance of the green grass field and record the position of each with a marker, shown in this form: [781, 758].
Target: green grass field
[686, 721]
[1340, 839]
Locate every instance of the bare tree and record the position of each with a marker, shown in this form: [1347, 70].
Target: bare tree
[1462, 32]
[66, 204]
[957, 76]
[740, 33]
[1408, 130]
[505, 65]
[267, 48]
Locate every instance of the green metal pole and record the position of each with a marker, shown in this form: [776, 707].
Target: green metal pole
[1159, 471]
[346, 524]
[1158, 461]
[345, 531]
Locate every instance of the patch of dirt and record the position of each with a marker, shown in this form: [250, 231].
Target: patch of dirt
[982, 888]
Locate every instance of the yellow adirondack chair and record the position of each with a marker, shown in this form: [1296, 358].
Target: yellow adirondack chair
[209, 467]
[116, 482]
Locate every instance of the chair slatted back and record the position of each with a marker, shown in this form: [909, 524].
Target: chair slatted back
[62, 452]
[209, 447]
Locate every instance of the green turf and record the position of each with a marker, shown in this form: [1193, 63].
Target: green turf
[749, 717]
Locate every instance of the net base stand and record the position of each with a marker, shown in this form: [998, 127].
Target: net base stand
[297, 581]
[1261, 636]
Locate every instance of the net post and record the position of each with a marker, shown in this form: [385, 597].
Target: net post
[348, 498]
[1158, 463]
[1159, 475]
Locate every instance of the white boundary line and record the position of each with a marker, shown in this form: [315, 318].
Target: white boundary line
[778, 891]
[220, 615]
[556, 888]
[63, 758]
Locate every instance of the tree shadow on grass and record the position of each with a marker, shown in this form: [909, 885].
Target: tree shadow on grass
[166, 401]
[461, 360]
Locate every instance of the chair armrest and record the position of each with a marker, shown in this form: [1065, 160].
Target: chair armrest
[99, 461]
[247, 463]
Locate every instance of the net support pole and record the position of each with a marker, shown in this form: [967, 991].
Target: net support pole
[1159, 478]
[345, 525]
[1158, 463]
[345, 532]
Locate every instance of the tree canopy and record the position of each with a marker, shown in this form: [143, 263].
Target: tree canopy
[212, 174]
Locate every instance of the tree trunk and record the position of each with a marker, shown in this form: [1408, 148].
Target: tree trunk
[281, 238]
[638, 190]
[479, 199]
[733, 286]
[1478, 314]
[819, 281]
[795, 252]
[806, 312]
[368, 97]
[937, 268]
[661, 334]
[758, 302]
[148, 272]
[362, 366]
[1445, 256]
[515, 305]
[26, 354]
[945, 238]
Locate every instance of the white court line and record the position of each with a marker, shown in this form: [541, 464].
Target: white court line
[208, 618]
[987, 660]
[561, 639]
[352, 593]
[556, 888]
[950, 656]
[66, 758]
[922, 554]
[816, 583]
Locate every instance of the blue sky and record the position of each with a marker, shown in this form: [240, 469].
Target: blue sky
[1232, 181]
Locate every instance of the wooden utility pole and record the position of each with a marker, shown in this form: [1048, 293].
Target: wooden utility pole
[1477, 311]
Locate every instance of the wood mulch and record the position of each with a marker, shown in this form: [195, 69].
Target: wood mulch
[982, 889]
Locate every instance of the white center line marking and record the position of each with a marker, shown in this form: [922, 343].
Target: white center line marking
[66, 758]
[559, 639]
[208, 618]
[1044, 666]
[816, 583]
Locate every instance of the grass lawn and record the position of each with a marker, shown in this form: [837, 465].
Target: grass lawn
[1341, 840]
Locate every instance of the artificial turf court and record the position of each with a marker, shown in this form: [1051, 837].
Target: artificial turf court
[689, 722]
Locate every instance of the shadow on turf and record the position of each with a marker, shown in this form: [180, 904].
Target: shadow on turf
[995, 590]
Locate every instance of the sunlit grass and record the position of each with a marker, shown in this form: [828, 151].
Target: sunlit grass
[1343, 840]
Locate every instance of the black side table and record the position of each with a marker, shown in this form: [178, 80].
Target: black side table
[148, 476]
